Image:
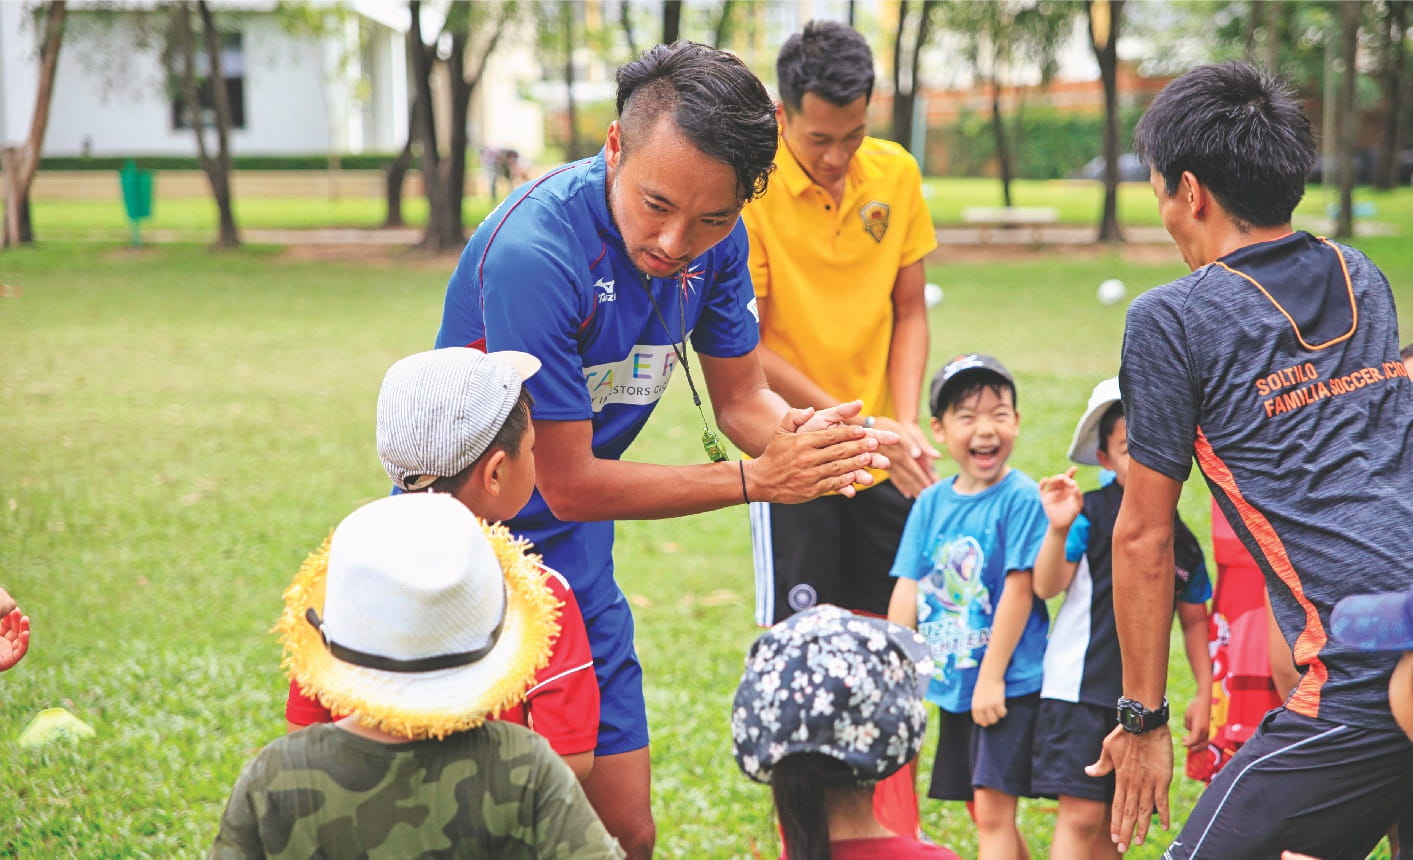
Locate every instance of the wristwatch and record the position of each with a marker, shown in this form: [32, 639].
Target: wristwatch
[1137, 719]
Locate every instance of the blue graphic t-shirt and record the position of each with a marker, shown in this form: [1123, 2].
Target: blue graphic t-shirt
[959, 548]
[547, 273]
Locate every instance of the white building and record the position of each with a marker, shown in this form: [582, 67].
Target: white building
[292, 91]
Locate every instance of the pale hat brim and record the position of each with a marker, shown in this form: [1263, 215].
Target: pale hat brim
[1084, 448]
[426, 704]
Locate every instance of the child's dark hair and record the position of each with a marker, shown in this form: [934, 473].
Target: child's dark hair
[801, 784]
[1407, 352]
[507, 439]
[1107, 421]
[977, 381]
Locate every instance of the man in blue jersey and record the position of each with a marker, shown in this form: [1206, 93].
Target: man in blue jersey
[607, 269]
[1275, 365]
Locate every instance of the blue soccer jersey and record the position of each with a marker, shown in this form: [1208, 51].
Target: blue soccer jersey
[959, 548]
[547, 273]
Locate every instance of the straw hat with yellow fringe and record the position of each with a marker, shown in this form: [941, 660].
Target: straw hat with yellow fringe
[418, 617]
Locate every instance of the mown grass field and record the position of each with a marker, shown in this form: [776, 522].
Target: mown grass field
[181, 425]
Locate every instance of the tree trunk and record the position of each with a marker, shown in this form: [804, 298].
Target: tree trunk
[902, 98]
[1275, 33]
[905, 95]
[397, 170]
[1104, 16]
[221, 176]
[723, 23]
[566, 22]
[998, 125]
[1394, 61]
[425, 130]
[625, 19]
[453, 233]
[23, 162]
[671, 21]
[393, 180]
[1349, 114]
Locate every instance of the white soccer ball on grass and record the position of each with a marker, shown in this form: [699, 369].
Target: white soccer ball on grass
[1111, 292]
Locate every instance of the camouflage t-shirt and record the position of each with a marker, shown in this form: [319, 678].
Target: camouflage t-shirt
[494, 791]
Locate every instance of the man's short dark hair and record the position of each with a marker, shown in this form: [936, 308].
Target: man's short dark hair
[1107, 421]
[508, 438]
[829, 59]
[1407, 352]
[967, 387]
[716, 102]
[1240, 131]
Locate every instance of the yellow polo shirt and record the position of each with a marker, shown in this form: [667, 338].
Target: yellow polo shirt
[825, 273]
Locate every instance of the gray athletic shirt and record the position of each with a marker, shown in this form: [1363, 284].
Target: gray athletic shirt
[1277, 369]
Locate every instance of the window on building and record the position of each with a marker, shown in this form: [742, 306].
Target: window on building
[233, 74]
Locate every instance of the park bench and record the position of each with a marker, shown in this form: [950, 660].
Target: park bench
[985, 218]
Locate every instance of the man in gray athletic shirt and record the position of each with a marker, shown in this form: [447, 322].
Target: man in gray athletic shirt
[1275, 365]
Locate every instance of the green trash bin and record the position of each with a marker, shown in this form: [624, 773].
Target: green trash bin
[137, 196]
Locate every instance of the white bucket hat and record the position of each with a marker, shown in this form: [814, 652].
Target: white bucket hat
[439, 410]
[1085, 447]
[418, 617]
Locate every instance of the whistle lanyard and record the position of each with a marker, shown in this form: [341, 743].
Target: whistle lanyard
[710, 442]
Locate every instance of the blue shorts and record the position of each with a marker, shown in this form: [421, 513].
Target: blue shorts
[996, 757]
[1068, 737]
[623, 713]
[1301, 784]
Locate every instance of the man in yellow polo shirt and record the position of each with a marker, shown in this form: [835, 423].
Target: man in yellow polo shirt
[837, 244]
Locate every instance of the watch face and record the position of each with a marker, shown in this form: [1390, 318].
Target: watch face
[1131, 721]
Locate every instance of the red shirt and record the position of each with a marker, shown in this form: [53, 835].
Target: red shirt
[562, 706]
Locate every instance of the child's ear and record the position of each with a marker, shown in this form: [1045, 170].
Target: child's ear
[491, 474]
[1105, 461]
[936, 424]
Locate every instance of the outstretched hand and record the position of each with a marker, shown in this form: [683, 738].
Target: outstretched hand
[911, 470]
[1061, 498]
[14, 638]
[810, 420]
[1143, 769]
[799, 465]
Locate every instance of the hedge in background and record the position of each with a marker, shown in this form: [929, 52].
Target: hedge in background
[1045, 143]
[365, 161]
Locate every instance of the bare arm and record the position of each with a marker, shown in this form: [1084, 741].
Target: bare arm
[581, 763]
[988, 700]
[907, 354]
[902, 606]
[795, 467]
[1284, 676]
[1198, 716]
[1143, 581]
[1063, 502]
[1143, 609]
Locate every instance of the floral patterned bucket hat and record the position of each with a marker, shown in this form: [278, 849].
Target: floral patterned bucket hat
[830, 682]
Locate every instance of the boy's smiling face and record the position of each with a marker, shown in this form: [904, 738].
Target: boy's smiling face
[979, 431]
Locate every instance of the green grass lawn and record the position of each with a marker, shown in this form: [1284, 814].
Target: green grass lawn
[182, 425]
[1077, 202]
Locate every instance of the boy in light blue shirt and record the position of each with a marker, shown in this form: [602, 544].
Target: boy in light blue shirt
[963, 580]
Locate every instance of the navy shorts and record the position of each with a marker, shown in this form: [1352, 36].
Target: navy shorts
[1301, 784]
[1068, 737]
[996, 757]
[623, 713]
[829, 550]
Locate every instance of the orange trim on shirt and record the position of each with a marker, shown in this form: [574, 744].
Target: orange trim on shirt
[1348, 284]
[1311, 641]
